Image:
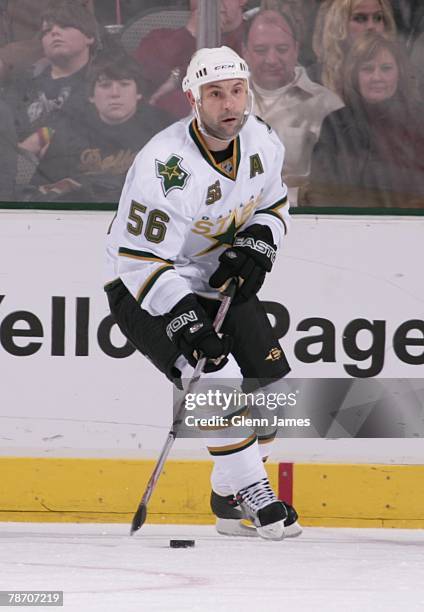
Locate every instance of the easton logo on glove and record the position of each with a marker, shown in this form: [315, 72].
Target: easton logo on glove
[257, 245]
[249, 259]
[182, 320]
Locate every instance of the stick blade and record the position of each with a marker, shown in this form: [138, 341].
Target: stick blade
[139, 518]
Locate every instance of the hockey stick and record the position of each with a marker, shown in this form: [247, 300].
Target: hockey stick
[141, 512]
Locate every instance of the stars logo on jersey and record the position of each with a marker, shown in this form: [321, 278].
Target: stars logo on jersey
[224, 237]
[172, 174]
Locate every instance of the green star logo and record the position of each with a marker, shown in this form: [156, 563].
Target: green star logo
[225, 238]
[172, 174]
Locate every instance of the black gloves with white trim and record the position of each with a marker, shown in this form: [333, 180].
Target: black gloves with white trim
[249, 259]
[192, 331]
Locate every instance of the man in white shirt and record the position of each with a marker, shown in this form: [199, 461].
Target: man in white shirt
[284, 96]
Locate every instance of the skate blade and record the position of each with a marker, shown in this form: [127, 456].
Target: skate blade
[293, 531]
[244, 528]
[274, 531]
[236, 527]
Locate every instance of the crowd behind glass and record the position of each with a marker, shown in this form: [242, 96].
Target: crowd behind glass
[340, 81]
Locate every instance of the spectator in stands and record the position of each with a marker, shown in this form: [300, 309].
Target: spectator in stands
[164, 54]
[88, 158]
[69, 40]
[20, 46]
[371, 152]
[284, 96]
[338, 23]
[299, 12]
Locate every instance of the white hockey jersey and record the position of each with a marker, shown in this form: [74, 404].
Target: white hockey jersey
[179, 210]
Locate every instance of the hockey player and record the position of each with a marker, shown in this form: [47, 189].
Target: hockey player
[204, 202]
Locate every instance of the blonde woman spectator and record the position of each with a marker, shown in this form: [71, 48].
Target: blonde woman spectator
[338, 24]
[371, 152]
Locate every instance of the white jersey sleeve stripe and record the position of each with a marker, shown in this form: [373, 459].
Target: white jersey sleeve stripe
[142, 255]
[150, 281]
[279, 210]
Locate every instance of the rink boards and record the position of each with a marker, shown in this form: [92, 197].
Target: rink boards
[109, 490]
[82, 417]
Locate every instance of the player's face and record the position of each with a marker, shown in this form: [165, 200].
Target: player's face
[222, 107]
[63, 41]
[366, 15]
[378, 78]
[115, 101]
[271, 53]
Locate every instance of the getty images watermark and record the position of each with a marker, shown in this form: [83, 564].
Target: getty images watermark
[235, 408]
[327, 408]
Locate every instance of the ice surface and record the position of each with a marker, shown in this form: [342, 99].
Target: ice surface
[101, 568]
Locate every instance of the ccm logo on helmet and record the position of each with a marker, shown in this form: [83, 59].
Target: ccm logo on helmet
[225, 66]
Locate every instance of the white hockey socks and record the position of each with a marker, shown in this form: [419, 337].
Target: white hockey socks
[238, 463]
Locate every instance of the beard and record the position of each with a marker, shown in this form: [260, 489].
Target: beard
[218, 129]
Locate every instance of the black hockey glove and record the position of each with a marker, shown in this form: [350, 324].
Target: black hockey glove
[192, 331]
[249, 259]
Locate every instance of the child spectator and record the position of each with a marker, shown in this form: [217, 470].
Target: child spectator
[87, 159]
[69, 38]
[19, 25]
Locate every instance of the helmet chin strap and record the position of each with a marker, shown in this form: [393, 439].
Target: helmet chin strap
[221, 141]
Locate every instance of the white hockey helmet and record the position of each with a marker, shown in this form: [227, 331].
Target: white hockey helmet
[216, 64]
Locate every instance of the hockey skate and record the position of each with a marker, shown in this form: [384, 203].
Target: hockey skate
[231, 520]
[261, 506]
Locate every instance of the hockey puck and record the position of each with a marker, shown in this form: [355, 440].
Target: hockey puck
[181, 543]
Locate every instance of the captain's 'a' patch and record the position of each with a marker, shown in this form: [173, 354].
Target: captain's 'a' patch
[256, 166]
[172, 174]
